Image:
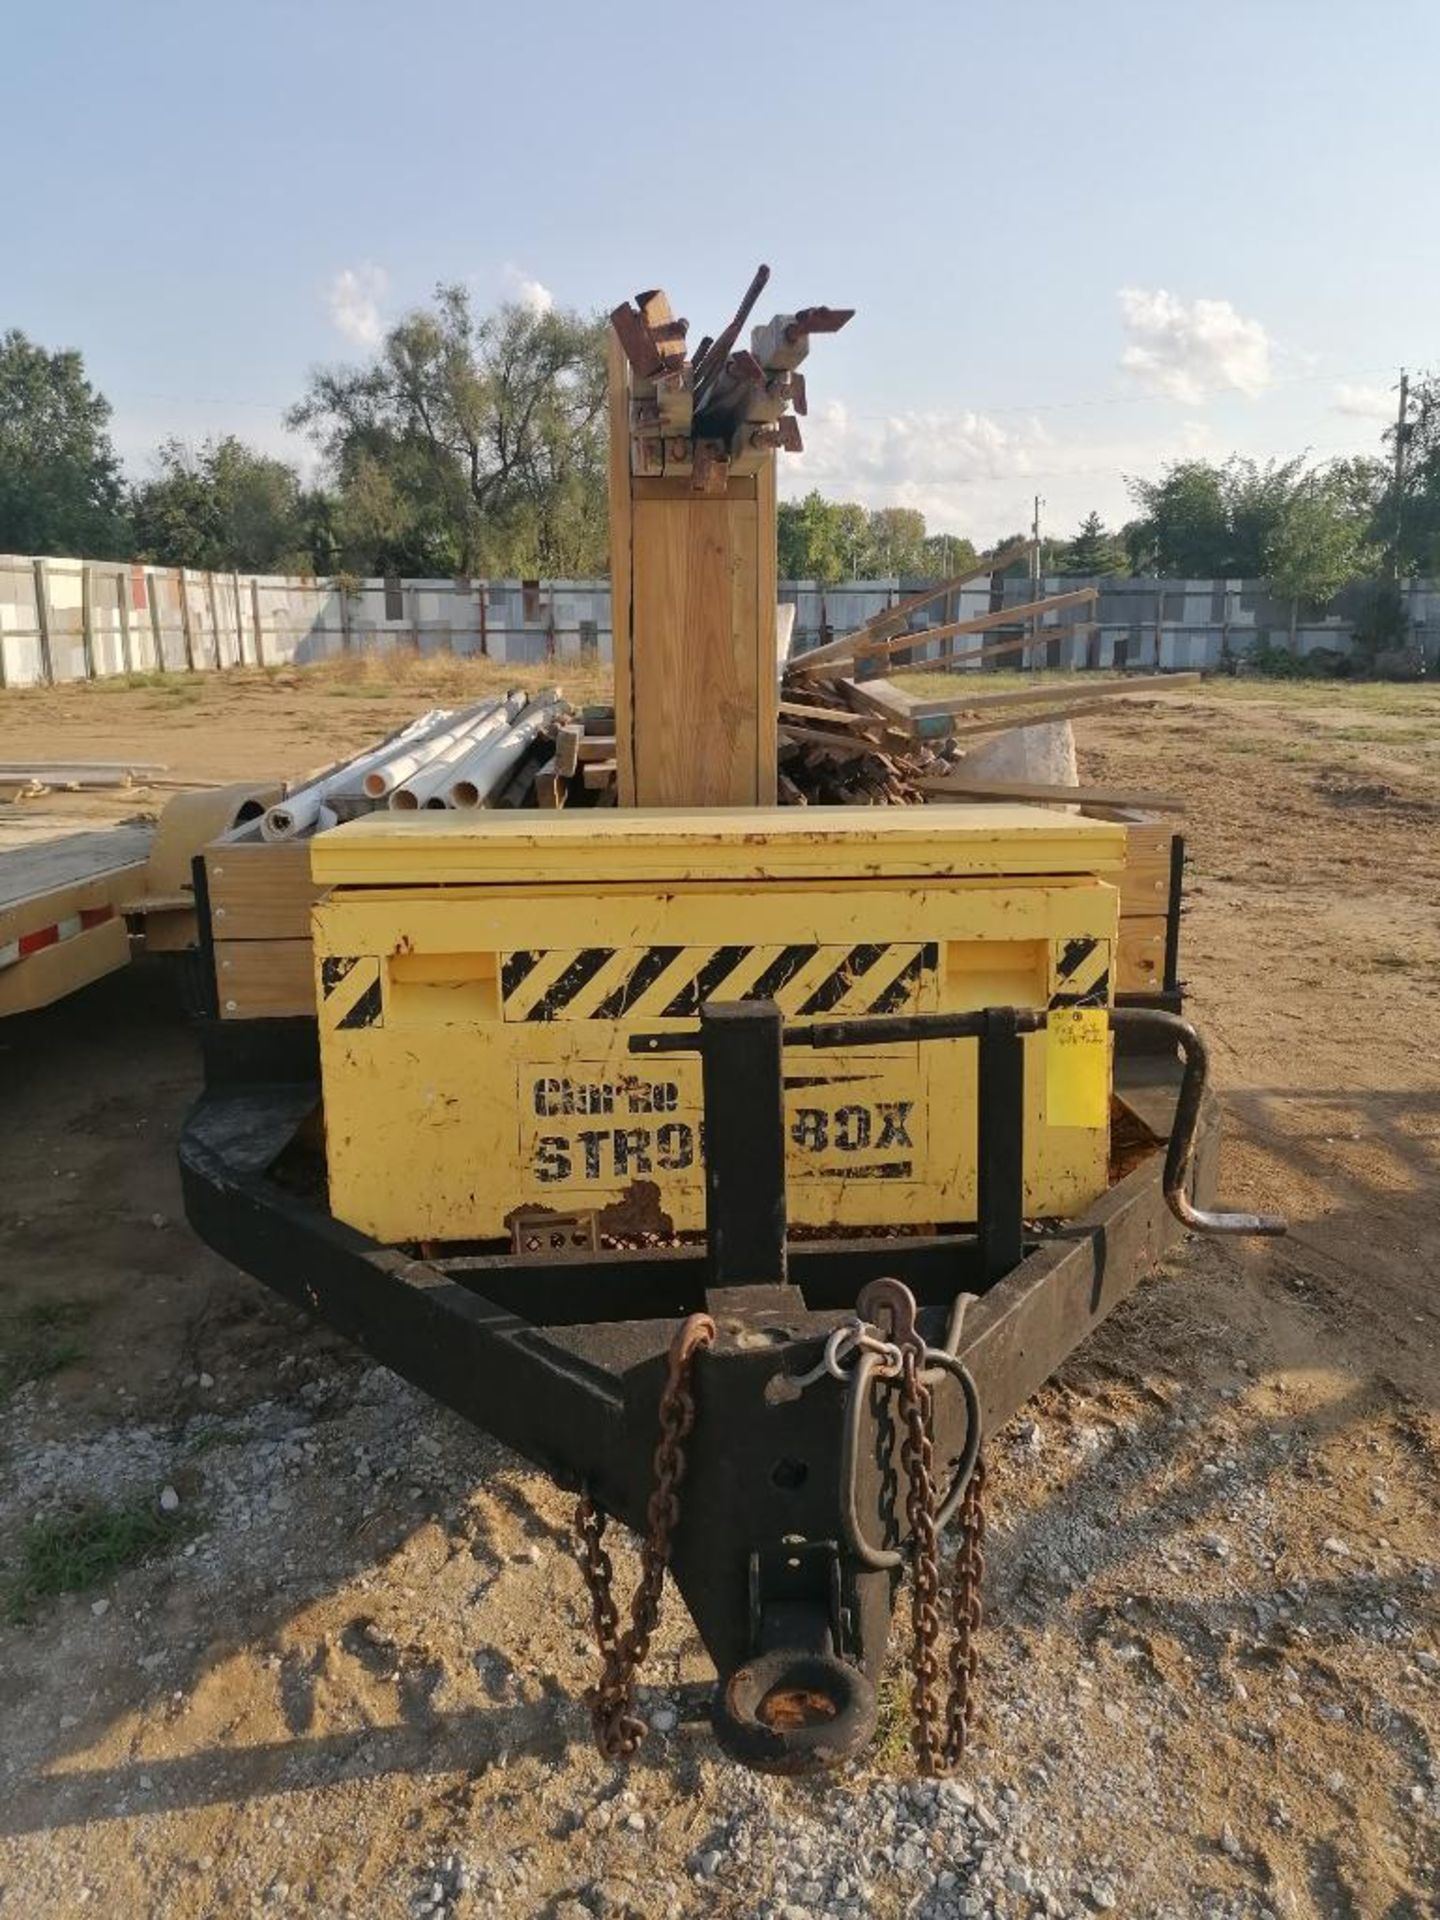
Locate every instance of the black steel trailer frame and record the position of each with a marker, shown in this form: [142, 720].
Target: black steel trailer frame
[564, 1358]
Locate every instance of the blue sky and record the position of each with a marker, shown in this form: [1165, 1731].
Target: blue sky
[1082, 239]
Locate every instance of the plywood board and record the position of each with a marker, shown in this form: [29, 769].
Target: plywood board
[260, 891]
[264, 979]
[1140, 962]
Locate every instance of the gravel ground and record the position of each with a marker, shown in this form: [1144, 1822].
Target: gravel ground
[350, 1683]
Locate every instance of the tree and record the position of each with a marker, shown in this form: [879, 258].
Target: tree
[60, 488]
[490, 433]
[895, 541]
[832, 540]
[1410, 525]
[945, 554]
[1202, 522]
[824, 540]
[1094, 550]
[226, 506]
[1317, 546]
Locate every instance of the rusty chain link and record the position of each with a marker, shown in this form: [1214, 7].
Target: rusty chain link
[618, 1728]
[933, 1754]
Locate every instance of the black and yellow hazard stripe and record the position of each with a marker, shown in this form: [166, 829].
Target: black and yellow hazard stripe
[1082, 973]
[673, 983]
[350, 993]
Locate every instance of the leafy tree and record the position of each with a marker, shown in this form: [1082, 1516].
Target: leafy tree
[944, 554]
[832, 540]
[1202, 521]
[1410, 527]
[60, 487]
[225, 506]
[1094, 550]
[1317, 546]
[488, 428]
[895, 540]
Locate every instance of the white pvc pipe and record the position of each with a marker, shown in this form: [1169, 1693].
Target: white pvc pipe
[476, 778]
[417, 788]
[350, 779]
[298, 812]
[394, 772]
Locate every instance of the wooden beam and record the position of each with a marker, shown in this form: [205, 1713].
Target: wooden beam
[837, 649]
[567, 748]
[1071, 689]
[1017, 643]
[622, 588]
[836, 716]
[981, 622]
[1014, 722]
[551, 786]
[956, 786]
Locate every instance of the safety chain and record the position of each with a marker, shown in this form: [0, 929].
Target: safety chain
[935, 1754]
[618, 1728]
[860, 1353]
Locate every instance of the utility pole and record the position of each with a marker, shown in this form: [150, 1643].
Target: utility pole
[1035, 550]
[1400, 427]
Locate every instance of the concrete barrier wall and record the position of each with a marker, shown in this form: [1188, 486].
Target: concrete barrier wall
[65, 620]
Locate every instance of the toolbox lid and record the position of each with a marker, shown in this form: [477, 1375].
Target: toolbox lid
[594, 847]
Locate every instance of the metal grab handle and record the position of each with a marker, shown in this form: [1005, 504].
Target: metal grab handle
[1181, 1148]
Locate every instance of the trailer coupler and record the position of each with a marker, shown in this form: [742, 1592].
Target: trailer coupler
[835, 1414]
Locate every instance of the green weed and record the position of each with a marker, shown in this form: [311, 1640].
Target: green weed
[39, 1340]
[81, 1548]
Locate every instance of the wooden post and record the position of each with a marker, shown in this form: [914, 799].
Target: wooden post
[239, 617]
[157, 630]
[345, 636]
[214, 615]
[87, 618]
[185, 619]
[122, 602]
[42, 622]
[256, 622]
[693, 583]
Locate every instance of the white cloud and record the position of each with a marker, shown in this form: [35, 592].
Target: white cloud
[1182, 348]
[966, 471]
[1363, 402]
[354, 301]
[524, 289]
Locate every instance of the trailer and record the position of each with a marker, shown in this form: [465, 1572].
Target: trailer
[80, 895]
[743, 1166]
[787, 1412]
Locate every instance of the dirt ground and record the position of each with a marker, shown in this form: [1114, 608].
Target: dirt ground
[348, 1680]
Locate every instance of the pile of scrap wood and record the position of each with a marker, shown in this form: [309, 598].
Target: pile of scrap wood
[512, 750]
[850, 736]
[716, 411]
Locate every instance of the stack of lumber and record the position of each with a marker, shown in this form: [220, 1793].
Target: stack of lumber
[717, 411]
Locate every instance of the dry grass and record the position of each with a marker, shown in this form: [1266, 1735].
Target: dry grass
[445, 677]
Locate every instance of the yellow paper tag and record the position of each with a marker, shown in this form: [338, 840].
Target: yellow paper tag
[1077, 1067]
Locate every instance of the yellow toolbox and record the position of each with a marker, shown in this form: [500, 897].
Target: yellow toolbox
[478, 980]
